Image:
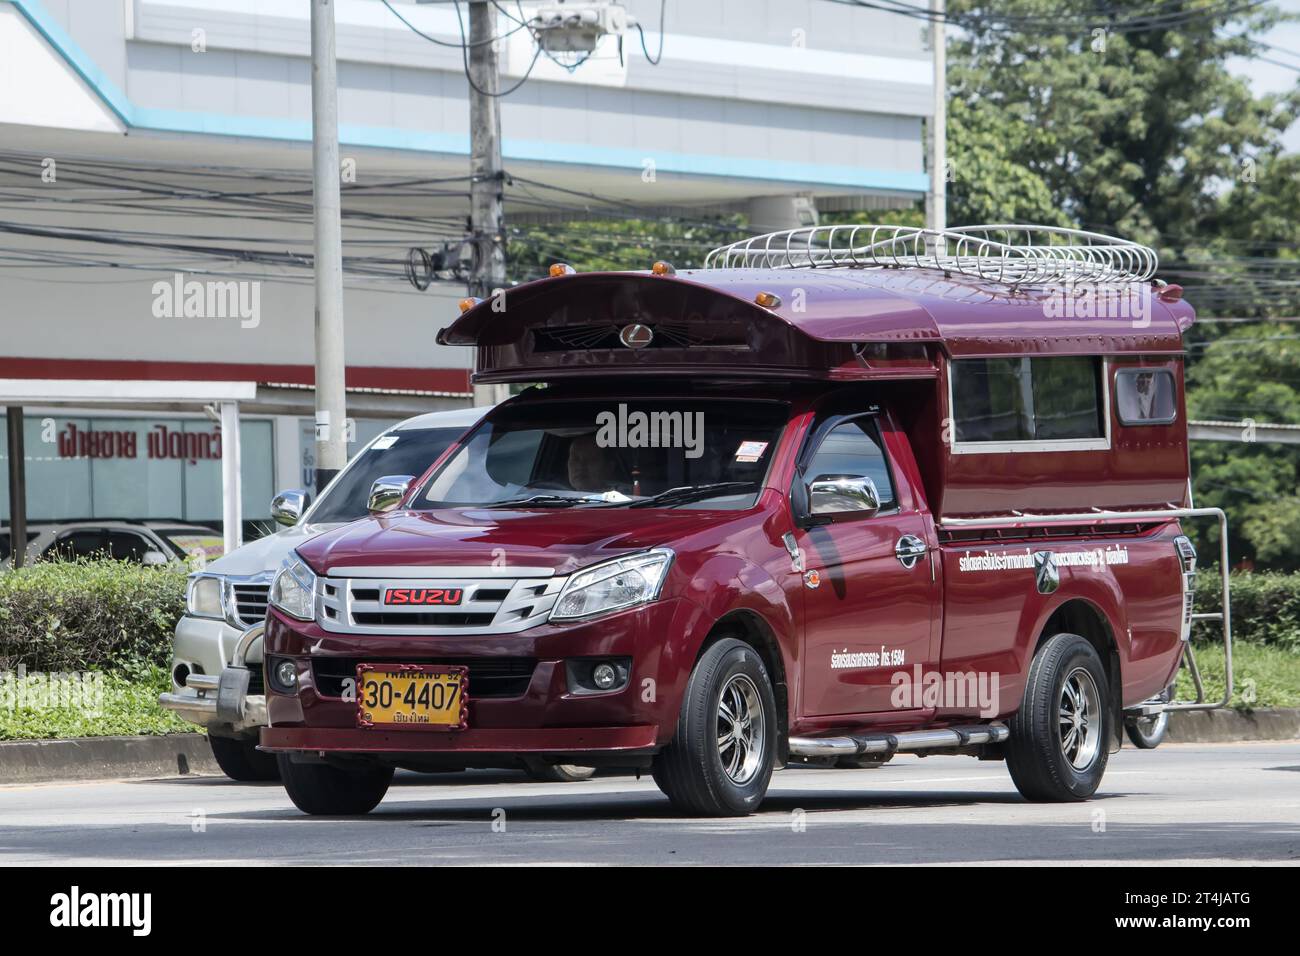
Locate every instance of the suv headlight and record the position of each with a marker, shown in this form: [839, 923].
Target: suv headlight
[613, 585]
[203, 597]
[294, 589]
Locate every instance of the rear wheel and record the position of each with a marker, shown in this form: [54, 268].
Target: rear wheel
[239, 759]
[544, 772]
[1060, 736]
[720, 760]
[320, 789]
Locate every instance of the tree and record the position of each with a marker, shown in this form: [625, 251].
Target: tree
[1134, 133]
[1250, 375]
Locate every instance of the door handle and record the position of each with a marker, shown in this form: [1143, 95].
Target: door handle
[909, 550]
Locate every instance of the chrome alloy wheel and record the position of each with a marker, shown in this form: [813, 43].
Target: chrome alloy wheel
[1080, 719]
[742, 726]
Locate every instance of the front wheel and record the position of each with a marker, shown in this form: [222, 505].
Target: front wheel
[239, 759]
[1060, 735]
[720, 760]
[322, 790]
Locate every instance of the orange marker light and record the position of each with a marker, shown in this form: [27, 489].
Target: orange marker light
[561, 269]
[768, 300]
[662, 268]
[467, 304]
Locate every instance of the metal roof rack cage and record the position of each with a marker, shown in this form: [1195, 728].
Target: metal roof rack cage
[1003, 253]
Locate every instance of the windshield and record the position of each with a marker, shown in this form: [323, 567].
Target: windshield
[708, 453]
[407, 452]
[186, 542]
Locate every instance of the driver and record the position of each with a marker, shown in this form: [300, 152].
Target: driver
[592, 468]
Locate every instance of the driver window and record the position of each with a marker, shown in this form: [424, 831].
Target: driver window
[853, 448]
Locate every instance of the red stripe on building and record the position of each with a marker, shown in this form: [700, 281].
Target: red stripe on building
[356, 376]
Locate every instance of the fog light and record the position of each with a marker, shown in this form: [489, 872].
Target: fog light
[604, 676]
[601, 675]
[286, 674]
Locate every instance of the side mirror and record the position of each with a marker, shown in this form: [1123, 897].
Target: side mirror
[154, 559]
[287, 507]
[387, 493]
[838, 494]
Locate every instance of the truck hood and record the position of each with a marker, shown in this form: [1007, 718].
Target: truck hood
[265, 554]
[564, 540]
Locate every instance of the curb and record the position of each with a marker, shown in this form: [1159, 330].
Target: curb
[1217, 726]
[104, 758]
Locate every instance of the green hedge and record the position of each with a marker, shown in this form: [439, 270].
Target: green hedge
[1265, 607]
[102, 615]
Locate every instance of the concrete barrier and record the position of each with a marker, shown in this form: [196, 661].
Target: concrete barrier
[1216, 726]
[104, 758]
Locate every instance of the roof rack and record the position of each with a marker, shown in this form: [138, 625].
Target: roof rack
[1004, 253]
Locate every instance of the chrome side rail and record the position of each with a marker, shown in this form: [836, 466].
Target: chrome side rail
[1224, 617]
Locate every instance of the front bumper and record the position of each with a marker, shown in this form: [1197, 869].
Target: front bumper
[201, 708]
[487, 740]
[206, 647]
[539, 713]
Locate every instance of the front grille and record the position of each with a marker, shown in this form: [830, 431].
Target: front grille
[256, 680]
[492, 601]
[250, 602]
[488, 676]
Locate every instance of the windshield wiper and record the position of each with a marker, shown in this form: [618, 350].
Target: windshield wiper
[541, 501]
[685, 493]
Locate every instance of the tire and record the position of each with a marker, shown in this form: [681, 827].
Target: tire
[690, 770]
[1051, 760]
[1147, 733]
[322, 790]
[544, 772]
[239, 759]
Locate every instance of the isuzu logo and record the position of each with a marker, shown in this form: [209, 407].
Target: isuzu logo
[636, 336]
[423, 596]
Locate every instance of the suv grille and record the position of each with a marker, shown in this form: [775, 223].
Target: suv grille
[488, 676]
[249, 602]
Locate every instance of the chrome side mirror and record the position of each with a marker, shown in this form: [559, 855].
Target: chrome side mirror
[154, 559]
[287, 507]
[387, 493]
[838, 494]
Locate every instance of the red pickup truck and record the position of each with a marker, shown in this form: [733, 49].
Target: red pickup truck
[764, 513]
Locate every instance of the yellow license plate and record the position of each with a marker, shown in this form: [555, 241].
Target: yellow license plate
[412, 696]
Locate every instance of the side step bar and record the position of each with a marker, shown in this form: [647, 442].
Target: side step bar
[888, 743]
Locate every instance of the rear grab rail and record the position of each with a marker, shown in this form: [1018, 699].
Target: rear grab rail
[1223, 616]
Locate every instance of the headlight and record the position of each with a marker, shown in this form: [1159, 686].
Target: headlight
[294, 589]
[203, 597]
[614, 585]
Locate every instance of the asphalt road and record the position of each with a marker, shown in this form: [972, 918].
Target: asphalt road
[1182, 804]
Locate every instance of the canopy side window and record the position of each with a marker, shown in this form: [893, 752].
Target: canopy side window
[1028, 403]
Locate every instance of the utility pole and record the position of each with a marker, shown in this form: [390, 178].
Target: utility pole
[936, 211]
[331, 398]
[487, 177]
[936, 206]
[17, 486]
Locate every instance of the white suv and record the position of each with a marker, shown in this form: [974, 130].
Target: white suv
[226, 601]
